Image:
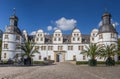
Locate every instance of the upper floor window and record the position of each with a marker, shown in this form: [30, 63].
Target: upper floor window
[73, 39]
[5, 46]
[6, 36]
[50, 47]
[36, 47]
[80, 48]
[37, 39]
[100, 36]
[70, 47]
[41, 39]
[60, 47]
[43, 47]
[59, 39]
[112, 35]
[17, 37]
[54, 39]
[78, 39]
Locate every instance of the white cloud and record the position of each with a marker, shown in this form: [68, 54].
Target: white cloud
[66, 24]
[100, 23]
[33, 33]
[55, 28]
[49, 28]
[115, 24]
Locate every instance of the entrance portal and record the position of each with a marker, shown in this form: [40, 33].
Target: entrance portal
[59, 58]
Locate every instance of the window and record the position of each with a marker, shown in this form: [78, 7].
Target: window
[73, 39]
[36, 47]
[78, 39]
[74, 57]
[43, 47]
[17, 37]
[70, 47]
[6, 36]
[100, 36]
[17, 46]
[92, 39]
[77, 34]
[37, 39]
[50, 47]
[59, 39]
[58, 34]
[4, 55]
[40, 57]
[5, 46]
[80, 48]
[40, 34]
[84, 58]
[55, 34]
[112, 35]
[49, 57]
[60, 47]
[54, 39]
[41, 39]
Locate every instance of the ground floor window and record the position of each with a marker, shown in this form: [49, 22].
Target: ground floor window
[4, 55]
[49, 57]
[74, 57]
[84, 58]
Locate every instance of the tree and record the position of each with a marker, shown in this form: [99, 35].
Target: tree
[92, 51]
[119, 48]
[29, 50]
[109, 52]
[0, 48]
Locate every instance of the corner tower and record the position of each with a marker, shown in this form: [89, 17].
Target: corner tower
[12, 37]
[107, 33]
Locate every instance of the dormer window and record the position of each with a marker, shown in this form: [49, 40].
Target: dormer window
[54, 39]
[73, 39]
[59, 39]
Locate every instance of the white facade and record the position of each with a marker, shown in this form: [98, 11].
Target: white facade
[58, 46]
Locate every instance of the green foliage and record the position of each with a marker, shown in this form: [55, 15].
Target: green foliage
[92, 51]
[29, 50]
[38, 62]
[81, 62]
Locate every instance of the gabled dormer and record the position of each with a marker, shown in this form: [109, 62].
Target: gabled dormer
[76, 36]
[57, 36]
[39, 37]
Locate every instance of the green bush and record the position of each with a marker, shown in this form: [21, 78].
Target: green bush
[38, 62]
[81, 62]
[92, 62]
[117, 62]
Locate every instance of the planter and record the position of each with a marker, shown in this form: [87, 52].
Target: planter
[92, 62]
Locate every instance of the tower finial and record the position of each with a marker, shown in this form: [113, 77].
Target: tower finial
[14, 11]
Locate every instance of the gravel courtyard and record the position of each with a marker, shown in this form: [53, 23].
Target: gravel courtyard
[60, 71]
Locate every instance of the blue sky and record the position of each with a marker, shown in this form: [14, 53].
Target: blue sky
[39, 14]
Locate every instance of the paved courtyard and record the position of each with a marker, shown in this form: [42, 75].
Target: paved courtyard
[60, 71]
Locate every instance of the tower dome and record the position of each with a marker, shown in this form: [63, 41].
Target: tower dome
[106, 24]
